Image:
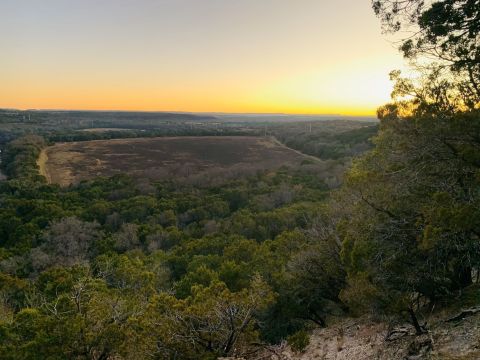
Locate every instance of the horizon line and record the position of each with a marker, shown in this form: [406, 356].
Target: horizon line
[189, 112]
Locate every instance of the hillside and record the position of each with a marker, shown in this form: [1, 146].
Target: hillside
[361, 339]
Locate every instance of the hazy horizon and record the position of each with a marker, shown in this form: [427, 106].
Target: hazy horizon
[279, 114]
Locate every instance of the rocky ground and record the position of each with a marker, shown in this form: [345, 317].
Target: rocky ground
[450, 337]
[453, 334]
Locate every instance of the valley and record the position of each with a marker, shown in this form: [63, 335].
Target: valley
[164, 158]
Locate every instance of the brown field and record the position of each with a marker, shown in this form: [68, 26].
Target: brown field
[198, 159]
[100, 130]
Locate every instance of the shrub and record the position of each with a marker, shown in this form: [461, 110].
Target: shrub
[299, 341]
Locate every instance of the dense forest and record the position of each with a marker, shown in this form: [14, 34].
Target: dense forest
[112, 268]
[214, 259]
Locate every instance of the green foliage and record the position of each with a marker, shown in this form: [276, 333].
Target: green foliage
[446, 29]
[410, 233]
[100, 269]
[20, 158]
[325, 143]
[299, 341]
[360, 295]
[211, 322]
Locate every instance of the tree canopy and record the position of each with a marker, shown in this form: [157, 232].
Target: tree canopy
[445, 31]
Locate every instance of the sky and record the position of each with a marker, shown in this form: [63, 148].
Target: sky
[255, 56]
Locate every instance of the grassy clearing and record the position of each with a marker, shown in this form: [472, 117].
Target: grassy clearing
[208, 158]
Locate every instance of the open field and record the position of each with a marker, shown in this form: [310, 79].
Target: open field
[201, 158]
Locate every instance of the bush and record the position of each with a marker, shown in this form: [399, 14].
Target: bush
[299, 341]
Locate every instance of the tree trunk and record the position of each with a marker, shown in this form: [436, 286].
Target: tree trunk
[418, 329]
[229, 344]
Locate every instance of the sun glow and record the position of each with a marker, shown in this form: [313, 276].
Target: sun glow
[366, 86]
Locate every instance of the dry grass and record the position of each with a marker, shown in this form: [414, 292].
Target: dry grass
[200, 158]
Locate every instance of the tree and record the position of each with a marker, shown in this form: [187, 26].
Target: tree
[411, 226]
[75, 316]
[212, 322]
[447, 31]
[20, 158]
[126, 238]
[316, 276]
[412, 221]
[66, 242]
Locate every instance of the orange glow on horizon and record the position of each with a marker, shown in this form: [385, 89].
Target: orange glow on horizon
[336, 91]
[353, 111]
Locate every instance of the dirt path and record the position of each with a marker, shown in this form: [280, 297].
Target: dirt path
[279, 143]
[42, 165]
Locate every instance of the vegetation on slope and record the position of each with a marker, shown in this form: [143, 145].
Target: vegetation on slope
[113, 268]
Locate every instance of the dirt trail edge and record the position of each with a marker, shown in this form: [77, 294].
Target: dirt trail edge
[279, 143]
[42, 165]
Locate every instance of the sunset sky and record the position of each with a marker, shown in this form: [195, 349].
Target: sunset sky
[290, 56]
